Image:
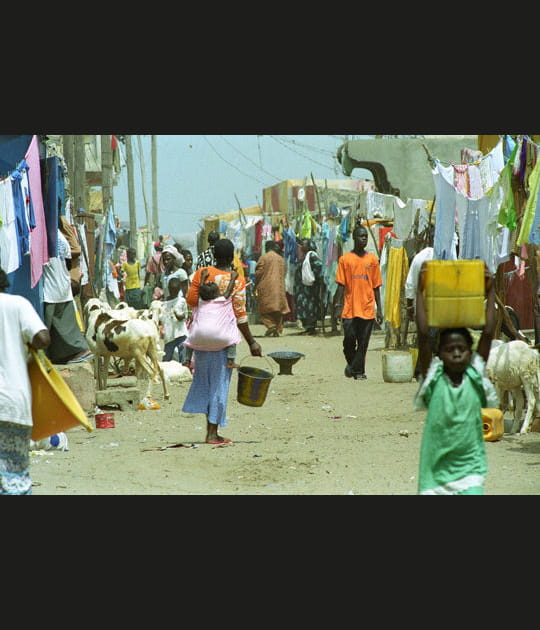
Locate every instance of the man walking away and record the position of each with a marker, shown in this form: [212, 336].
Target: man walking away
[272, 302]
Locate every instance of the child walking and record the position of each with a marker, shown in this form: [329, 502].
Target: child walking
[454, 388]
[174, 317]
[219, 328]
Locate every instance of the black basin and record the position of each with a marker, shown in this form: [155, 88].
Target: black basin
[286, 360]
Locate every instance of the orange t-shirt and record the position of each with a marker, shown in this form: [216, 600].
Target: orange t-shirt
[222, 279]
[360, 275]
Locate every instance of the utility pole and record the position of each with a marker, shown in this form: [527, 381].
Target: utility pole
[78, 181]
[106, 173]
[131, 194]
[149, 226]
[67, 143]
[155, 217]
[106, 195]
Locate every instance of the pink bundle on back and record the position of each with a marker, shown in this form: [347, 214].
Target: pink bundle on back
[214, 326]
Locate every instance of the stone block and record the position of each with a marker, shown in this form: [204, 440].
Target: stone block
[126, 398]
[80, 379]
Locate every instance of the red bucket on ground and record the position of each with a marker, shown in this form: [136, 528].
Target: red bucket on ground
[104, 421]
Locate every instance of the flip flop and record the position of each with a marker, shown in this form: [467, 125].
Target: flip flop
[220, 442]
[81, 359]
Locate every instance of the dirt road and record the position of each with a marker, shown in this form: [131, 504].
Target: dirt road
[317, 433]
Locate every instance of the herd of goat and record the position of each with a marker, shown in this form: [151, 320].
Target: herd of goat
[128, 334]
[133, 336]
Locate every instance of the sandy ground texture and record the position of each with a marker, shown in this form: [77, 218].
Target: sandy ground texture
[317, 433]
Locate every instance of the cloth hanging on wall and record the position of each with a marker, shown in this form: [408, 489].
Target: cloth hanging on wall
[398, 268]
[39, 254]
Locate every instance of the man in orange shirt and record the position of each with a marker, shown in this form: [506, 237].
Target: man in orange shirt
[359, 279]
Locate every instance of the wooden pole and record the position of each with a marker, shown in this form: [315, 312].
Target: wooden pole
[131, 194]
[155, 216]
[317, 196]
[149, 226]
[68, 149]
[79, 173]
[106, 173]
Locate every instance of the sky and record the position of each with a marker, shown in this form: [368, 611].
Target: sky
[199, 175]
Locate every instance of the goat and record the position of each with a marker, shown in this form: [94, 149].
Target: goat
[513, 368]
[92, 309]
[128, 339]
[175, 372]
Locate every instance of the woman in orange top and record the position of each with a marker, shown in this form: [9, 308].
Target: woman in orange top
[359, 279]
[209, 389]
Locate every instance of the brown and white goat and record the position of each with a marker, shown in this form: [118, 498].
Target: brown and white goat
[129, 339]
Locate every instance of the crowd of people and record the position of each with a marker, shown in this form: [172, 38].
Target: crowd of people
[205, 317]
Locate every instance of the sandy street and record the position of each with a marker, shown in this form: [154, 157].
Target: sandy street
[317, 433]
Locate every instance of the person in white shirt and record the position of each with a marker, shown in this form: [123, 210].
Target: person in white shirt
[171, 262]
[68, 344]
[20, 327]
[175, 314]
[411, 284]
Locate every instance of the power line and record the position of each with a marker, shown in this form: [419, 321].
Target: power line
[278, 179]
[279, 141]
[308, 146]
[230, 163]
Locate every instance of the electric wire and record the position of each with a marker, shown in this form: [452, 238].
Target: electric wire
[310, 147]
[278, 179]
[283, 144]
[231, 164]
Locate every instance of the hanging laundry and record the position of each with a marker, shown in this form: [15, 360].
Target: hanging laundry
[306, 229]
[21, 218]
[39, 252]
[445, 225]
[530, 207]
[475, 182]
[468, 156]
[9, 249]
[509, 146]
[398, 268]
[461, 178]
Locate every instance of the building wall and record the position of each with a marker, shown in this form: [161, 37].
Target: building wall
[405, 159]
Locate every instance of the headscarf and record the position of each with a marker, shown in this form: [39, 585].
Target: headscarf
[174, 252]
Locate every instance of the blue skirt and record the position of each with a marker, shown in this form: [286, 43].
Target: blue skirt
[209, 390]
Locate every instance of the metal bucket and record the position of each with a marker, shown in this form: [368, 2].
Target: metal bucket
[253, 384]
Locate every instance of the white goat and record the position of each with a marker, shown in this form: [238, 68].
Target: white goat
[175, 372]
[514, 369]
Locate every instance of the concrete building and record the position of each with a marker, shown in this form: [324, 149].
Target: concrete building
[400, 165]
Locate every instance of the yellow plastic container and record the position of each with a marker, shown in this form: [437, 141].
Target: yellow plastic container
[492, 424]
[454, 293]
[55, 408]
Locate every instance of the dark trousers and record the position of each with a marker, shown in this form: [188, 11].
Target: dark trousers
[171, 345]
[356, 336]
[66, 336]
[134, 298]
